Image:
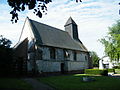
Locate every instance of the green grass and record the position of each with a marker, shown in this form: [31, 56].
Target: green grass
[14, 83]
[74, 82]
[111, 70]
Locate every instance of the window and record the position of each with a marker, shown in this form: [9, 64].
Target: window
[66, 54]
[39, 54]
[52, 53]
[75, 55]
[85, 57]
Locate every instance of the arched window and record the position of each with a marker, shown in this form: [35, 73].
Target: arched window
[85, 57]
[75, 56]
[52, 53]
[66, 54]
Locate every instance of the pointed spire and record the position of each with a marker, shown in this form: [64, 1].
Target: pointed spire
[27, 18]
[71, 28]
[70, 21]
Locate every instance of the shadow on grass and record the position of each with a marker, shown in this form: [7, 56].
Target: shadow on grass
[76, 82]
[14, 84]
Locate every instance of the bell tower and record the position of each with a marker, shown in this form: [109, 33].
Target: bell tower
[71, 28]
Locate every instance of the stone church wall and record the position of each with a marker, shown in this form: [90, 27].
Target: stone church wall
[76, 65]
[54, 65]
[59, 54]
[48, 66]
[45, 53]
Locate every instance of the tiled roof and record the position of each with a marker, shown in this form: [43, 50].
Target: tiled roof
[50, 36]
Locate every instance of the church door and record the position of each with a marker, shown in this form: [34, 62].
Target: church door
[62, 67]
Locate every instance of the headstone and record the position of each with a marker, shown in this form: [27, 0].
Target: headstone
[88, 79]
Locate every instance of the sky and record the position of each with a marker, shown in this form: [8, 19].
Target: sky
[93, 18]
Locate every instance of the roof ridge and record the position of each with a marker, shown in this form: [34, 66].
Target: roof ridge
[48, 25]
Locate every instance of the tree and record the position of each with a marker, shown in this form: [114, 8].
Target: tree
[39, 7]
[6, 43]
[5, 55]
[95, 59]
[112, 42]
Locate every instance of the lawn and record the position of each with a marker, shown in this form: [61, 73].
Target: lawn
[74, 82]
[14, 84]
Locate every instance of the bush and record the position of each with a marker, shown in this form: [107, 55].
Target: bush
[111, 70]
[117, 71]
[103, 72]
[92, 71]
[116, 67]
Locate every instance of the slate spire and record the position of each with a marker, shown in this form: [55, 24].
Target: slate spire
[70, 21]
[71, 28]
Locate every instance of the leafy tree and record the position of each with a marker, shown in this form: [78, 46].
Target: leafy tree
[112, 42]
[95, 59]
[39, 7]
[6, 43]
[5, 55]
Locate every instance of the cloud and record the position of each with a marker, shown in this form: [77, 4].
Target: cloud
[92, 16]
[7, 29]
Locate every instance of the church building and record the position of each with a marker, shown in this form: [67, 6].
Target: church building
[46, 49]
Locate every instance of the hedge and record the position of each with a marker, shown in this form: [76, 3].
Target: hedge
[111, 70]
[103, 72]
[116, 67]
[117, 71]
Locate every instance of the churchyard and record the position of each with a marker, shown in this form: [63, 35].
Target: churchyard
[64, 82]
[76, 82]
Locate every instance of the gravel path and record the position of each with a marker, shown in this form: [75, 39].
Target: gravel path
[38, 85]
[118, 75]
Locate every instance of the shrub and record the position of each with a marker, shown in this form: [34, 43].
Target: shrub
[111, 70]
[103, 72]
[92, 71]
[117, 71]
[116, 67]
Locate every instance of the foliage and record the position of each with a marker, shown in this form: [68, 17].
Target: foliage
[5, 55]
[103, 72]
[112, 42]
[95, 59]
[117, 71]
[92, 71]
[14, 84]
[39, 7]
[111, 70]
[5, 42]
[75, 82]
[116, 67]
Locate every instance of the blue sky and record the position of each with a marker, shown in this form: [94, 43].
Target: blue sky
[92, 16]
